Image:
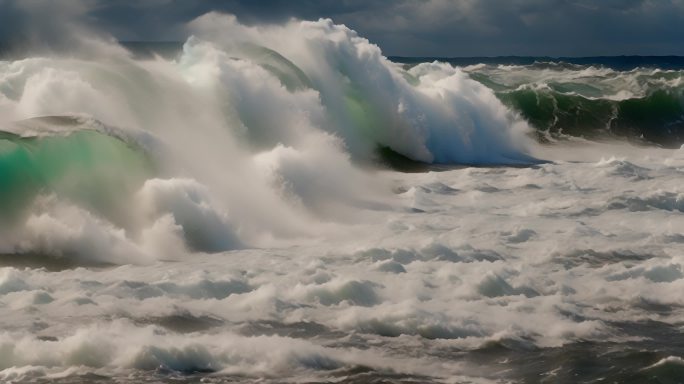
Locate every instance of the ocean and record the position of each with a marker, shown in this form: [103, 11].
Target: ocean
[287, 204]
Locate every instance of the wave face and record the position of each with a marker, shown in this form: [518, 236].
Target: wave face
[94, 169]
[592, 101]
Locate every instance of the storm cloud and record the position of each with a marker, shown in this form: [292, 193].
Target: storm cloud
[404, 27]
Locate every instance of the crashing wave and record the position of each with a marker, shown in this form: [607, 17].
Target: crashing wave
[249, 137]
[593, 102]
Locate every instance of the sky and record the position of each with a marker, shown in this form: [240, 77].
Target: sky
[444, 28]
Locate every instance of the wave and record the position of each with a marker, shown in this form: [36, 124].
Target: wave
[656, 118]
[432, 112]
[251, 136]
[94, 169]
[593, 102]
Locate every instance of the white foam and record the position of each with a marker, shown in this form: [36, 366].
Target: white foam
[445, 118]
[303, 242]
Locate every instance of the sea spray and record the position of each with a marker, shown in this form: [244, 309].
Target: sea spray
[441, 116]
[267, 122]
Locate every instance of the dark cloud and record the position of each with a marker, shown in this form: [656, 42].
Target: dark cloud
[401, 27]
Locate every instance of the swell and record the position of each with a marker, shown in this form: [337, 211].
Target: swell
[593, 102]
[656, 118]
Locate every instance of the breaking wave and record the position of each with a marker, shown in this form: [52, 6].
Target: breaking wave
[252, 135]
[590, 101]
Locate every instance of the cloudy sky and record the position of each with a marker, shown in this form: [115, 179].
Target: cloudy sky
[400, 27]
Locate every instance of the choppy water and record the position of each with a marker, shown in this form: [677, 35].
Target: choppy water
[226, 214]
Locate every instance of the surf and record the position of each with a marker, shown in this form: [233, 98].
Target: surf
[245, 124]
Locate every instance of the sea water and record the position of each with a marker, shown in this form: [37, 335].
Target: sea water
[239, 210]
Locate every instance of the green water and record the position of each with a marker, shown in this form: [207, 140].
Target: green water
[88, 168]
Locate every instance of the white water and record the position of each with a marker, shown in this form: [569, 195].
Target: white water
[272, 158]
[313, 264]
[544, 257]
